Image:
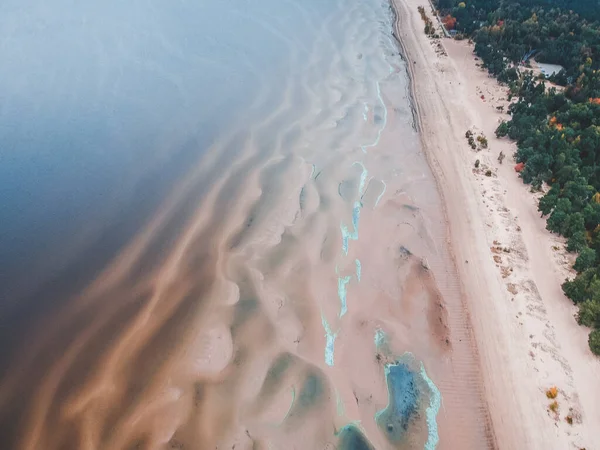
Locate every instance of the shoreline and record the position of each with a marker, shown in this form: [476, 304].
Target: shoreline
[525, 338]
[406, 54]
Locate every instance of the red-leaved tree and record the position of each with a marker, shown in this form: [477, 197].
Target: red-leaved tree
[449, 22]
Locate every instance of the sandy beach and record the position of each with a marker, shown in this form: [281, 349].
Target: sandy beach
[292, 289]
[300, 251]
[510, 267]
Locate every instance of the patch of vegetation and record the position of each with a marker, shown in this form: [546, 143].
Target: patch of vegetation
[594, 341]
[471, 139]
[429, 27]
[557, 131]
[552, 392]
[482, 141]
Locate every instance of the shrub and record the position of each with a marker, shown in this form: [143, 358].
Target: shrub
[553, 406]
[552, 392]
[589, 313]
[508, 75]
[429, 27]
[578, 288]
[577, 242]
[502, 129]
[585, 260]
[594, 341]
[482, 141]
[569, 420]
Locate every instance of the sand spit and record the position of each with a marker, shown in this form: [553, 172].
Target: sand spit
[510, 266]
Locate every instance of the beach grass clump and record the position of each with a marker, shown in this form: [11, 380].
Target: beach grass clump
[482, 141]
[552, 393]
[429, 27]
[569, 419]
[470, 139]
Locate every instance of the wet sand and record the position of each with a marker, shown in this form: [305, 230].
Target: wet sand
[294, 290]
[510, 266]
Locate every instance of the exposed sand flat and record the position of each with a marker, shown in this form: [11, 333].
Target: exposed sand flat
[304, 257]
[293, 269]
[510, 273]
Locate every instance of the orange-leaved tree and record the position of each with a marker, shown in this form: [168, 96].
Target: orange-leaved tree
[449, 22]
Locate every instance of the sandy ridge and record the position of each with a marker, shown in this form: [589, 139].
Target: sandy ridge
[509, 267]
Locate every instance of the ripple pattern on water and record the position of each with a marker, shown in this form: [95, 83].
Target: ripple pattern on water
[242, 313]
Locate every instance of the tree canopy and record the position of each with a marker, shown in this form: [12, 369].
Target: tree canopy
[557, 132]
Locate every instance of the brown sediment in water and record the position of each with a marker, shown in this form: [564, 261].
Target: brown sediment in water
[220, 341]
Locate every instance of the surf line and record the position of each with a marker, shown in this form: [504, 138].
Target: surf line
[330, 336]
[435, 402]
[343, 281]
[342, 293]
[343, 287]
[348, 235]
[380, 195]
[363, 178]
[385, 116]
[330, 341]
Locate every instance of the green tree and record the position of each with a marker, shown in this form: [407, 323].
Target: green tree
[577, 289]
[594, 341]
[557, 133]
[502, 129]
[578, 191]
[589, 314]
[558, 220]
[548, 202]
[576, 242]
[591, 215]
[585, 260]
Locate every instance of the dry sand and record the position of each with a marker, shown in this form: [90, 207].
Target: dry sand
[511, 268]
